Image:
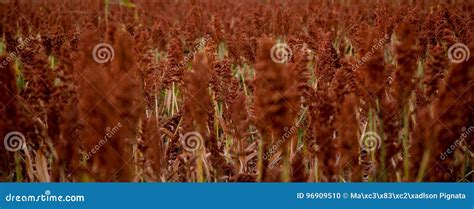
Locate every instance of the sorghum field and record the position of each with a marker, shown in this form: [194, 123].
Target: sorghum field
[236, 91]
